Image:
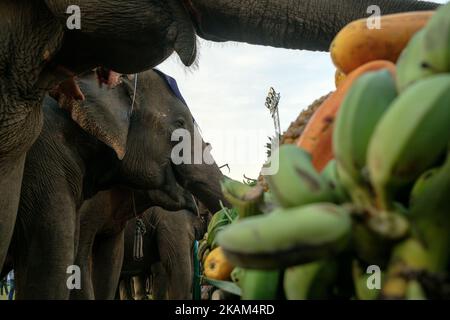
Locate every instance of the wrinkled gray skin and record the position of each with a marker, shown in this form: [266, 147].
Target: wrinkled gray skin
[37, 51]
[72, 160]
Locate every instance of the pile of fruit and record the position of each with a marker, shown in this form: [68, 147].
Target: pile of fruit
[360, 207]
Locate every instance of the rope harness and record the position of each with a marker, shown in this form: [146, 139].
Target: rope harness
[139, 232]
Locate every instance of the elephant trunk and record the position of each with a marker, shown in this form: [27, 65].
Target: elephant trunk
[203, 181]
[292, 24]
[202, 178]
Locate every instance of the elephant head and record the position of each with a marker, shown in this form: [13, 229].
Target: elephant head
[131, 36]
[137, 119]
[161, 118]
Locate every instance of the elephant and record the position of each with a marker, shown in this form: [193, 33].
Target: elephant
[81, 151]
[40, 48]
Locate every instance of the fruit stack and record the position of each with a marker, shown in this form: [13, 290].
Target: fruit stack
[360, 208]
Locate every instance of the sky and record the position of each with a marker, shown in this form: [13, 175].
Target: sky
[226, 94]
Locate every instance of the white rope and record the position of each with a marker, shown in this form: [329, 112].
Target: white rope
[134, 93]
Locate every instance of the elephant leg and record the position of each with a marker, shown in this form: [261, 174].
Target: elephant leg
[107, 264]
[49, 265]
[175, 248]
[159, 283]
[83, 260]
[125, 289]
[139, 284]
[10, 186]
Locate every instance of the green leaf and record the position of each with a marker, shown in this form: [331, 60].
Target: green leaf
[227, 286]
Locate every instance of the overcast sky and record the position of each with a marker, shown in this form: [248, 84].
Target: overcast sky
[227, 91]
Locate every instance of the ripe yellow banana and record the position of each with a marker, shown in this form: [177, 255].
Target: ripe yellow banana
[287, 237]
[410, 137]
[313, 280]
[297, 182]
[410, 65]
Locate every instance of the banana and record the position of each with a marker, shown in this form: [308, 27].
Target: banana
[330, 174]
[410, 65]
[313, 280]
[437, 41]
[287, 237]
[422, 184]
[297, 182]
[430, 216]
[260, 284]
[244, 198]
[362, 108]
[410, 137]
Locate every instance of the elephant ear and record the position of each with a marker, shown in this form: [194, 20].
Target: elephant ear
[104, 113]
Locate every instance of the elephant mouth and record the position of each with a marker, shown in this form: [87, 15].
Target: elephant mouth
[108, 77]
[69, 89]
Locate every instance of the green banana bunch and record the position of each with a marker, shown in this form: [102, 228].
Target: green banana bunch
[287, 237]
[410, 65]
[244, 198]
[422, 184]
[297, 182]
[430, 215]
[437, 41]
[313, 280]
[260, 284]
[410, 137]
[361, 110]
[330, 174]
